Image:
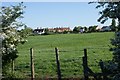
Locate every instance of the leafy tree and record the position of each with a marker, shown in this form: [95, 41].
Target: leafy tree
[47, 32]
[65, 32]
[77, 29]
[9, 35]
[85, 28]
[113, 25]
[112, 10]
[26, 31]
[92, 28]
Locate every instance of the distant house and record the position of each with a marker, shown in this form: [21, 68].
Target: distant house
[38, 31]
[59, 29]
[106, 28]
[98, 28]
[82, 30]
[51, 29]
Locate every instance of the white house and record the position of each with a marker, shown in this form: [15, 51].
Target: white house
[38, 31]
[98, 28]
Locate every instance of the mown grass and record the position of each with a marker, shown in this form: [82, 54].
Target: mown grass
[70, 53]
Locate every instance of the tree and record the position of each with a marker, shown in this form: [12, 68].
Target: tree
[26, 31]
[85, 28]
[77, 29]
[112, 10]
[113, 25]
[9, 34]
[46, 31]
[92, 28]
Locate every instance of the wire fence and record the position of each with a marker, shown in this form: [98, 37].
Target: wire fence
[70, 62]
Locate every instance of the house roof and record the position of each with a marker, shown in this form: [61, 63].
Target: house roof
[39, 30]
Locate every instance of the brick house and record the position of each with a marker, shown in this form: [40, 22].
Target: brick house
[60, 29]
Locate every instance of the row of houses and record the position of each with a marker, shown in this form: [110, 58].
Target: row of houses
[97, 28]
[60, 30]
[104, 28]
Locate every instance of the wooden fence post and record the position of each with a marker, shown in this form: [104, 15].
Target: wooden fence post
[32, 64]
[58, 64]
[85, 65]
[102, 69]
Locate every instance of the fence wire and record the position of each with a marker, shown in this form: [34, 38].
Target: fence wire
[70, 61]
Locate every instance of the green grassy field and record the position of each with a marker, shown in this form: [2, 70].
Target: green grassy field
[71, 51]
